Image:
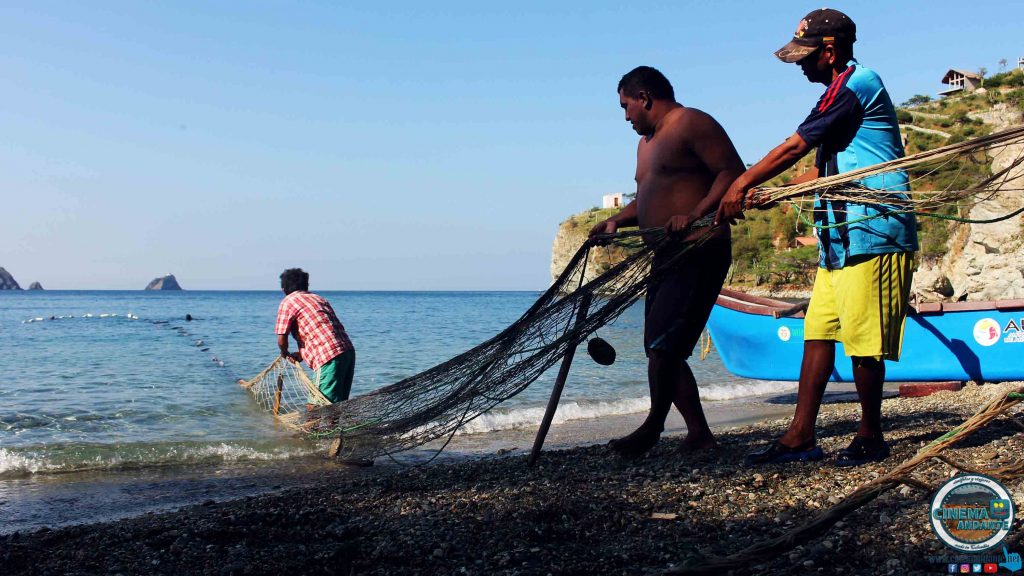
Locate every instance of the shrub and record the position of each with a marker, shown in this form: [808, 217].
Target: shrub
[917, 99]
[904, 117]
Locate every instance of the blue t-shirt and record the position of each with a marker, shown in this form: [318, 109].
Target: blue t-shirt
[854, 125]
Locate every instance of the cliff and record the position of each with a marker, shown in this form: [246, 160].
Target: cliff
[168, 282]
[572, 233]
[7, 282]
[983, 261]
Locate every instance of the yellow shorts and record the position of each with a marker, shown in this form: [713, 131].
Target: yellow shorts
[862, 305]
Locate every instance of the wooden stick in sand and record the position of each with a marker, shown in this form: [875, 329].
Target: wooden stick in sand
[556, 392]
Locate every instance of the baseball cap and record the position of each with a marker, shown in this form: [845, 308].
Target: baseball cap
[816, 29]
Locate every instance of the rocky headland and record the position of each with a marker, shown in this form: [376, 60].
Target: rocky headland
[7, 282]
[168, 282]
[573, 233]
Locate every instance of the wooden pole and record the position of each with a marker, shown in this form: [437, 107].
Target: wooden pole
[556, 392]
[277, 394]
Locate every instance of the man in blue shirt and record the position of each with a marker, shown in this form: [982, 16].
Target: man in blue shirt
[865, 250]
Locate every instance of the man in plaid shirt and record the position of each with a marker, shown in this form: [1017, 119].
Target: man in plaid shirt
[322, 340]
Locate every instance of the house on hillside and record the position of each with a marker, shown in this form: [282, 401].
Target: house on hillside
[960, 81]
[612, 200]
[1020, 63]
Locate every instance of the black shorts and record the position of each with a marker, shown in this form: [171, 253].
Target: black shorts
[679, 302]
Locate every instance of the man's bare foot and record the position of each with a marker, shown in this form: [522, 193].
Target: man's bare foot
[635, 444]
[691, 444]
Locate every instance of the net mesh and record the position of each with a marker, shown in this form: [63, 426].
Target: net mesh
[284, 390]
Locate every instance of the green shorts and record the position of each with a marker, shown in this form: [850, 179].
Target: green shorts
[334, 379]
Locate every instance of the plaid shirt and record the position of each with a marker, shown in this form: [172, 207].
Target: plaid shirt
[320, 334]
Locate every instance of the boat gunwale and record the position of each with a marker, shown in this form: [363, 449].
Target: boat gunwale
[761, 306]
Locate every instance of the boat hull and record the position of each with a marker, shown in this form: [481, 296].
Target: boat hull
[979, 341]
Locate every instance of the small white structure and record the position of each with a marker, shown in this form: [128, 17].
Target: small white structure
[960, 80]
[612, 200]
[1020, 63]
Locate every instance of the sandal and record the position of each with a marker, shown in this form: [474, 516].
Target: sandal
[861, 451]
[779, 453]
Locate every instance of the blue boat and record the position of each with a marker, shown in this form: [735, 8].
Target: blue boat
[763, 338]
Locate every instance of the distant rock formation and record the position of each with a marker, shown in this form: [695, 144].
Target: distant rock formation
[35, 286]
[7, 282]
[168, 282]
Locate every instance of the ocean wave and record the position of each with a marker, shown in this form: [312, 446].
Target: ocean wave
[518, 418]
[15, 464]
[505, 419]
[744, 389]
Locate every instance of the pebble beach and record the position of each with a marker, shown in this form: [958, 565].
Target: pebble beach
[581, 510]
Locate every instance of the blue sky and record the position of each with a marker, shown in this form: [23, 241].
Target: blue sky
[399, 146]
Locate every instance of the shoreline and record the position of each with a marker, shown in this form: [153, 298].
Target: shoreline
[581, 510]
[57, 500]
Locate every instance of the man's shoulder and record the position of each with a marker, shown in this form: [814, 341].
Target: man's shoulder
[300, 297]
[864, 79]
[689, 123]
[689, 115]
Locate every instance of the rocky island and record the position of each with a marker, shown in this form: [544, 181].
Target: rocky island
[168, 282]
[35, 286]
[7, 282]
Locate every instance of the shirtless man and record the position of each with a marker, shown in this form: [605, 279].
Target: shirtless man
[685, 163]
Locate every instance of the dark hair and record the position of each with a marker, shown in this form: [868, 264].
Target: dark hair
[294, 279]
[646, 79]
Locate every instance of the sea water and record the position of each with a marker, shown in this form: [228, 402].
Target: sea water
[120, 380]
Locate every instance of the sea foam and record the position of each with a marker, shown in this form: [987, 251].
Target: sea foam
[568, 410]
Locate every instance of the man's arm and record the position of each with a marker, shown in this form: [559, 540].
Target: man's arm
[282, 345]
[776, 162]
[283, 326]
[709, 142]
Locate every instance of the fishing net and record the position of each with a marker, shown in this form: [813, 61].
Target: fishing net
[435, 403]
[947, 182]
[284, 390]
